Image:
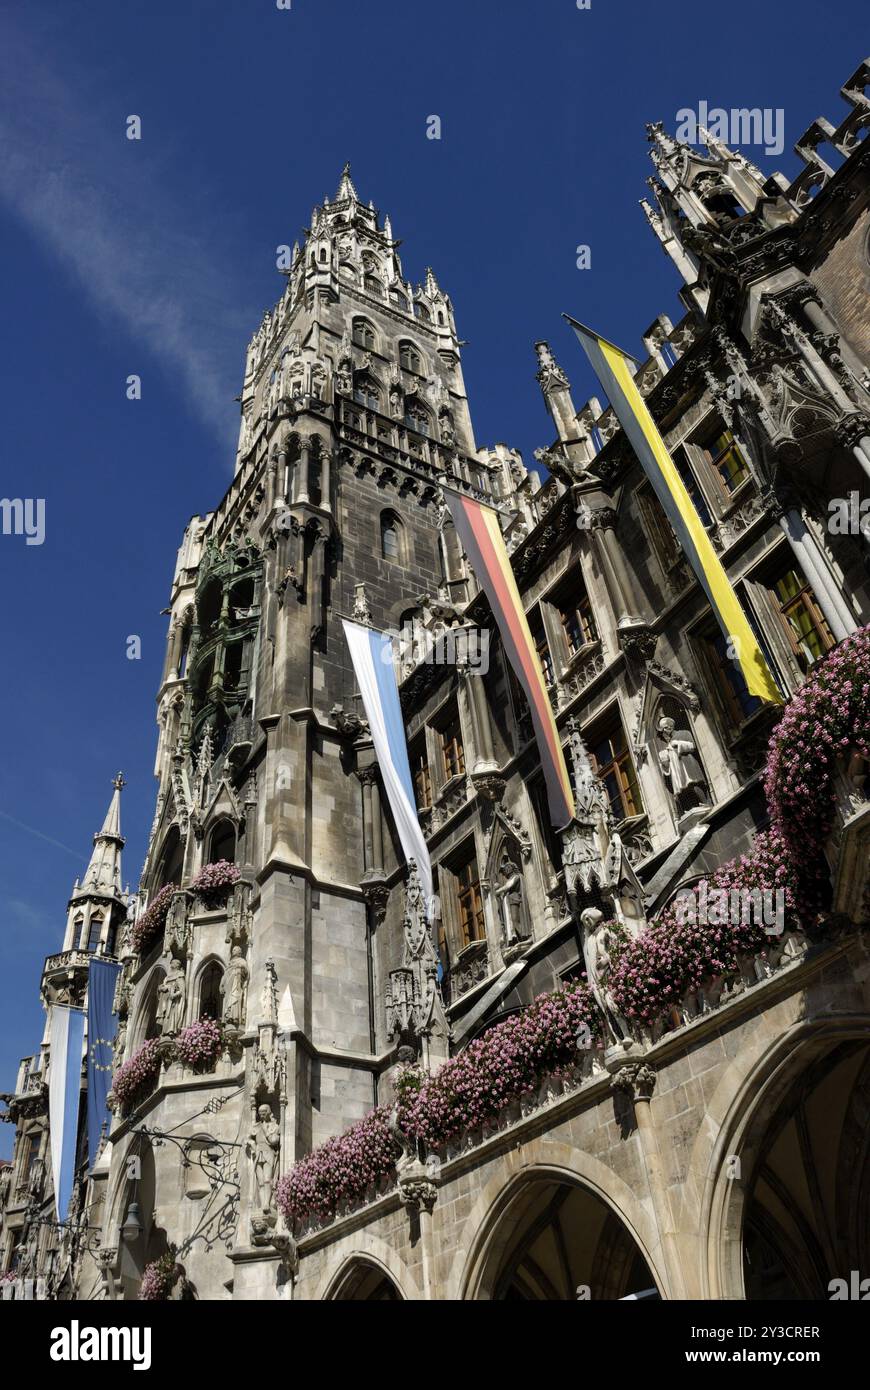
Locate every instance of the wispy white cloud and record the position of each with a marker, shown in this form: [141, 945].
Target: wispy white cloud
[104, 207]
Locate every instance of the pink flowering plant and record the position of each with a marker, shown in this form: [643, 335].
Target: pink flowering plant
[160, 1278]
[340, 1170]
[150, 923]
[214, 882]
[678, 953]
[200, 1044]
[826, 719]
[509, 1061]
[136, 1074]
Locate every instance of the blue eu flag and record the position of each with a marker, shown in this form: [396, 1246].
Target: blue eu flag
[102, 1025]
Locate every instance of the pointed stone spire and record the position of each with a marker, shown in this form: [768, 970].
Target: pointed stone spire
[345, 188]
[103, 876]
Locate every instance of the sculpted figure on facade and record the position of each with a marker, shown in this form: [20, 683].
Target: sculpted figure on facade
[172, 998]
[234, 989]
[510, 895]
[678, 759]
[264, 1150]
[597, 947]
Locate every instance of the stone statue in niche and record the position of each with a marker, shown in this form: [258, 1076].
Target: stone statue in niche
[234, 988]
[510, 896]
[172, 996]
[264, 1147]
[597, 947]
[120, 1044]
[678, 760]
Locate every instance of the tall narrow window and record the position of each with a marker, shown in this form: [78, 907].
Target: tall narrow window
[613, 763]
[452, 751]
[95, 931]
[690, 482]
[575, 614]
[421, 776]
[542, 646]
[391, 536]
[802, 619]
[222, 843]
[469, 903]
[726, 459]
[210, 1002]
[727, 679]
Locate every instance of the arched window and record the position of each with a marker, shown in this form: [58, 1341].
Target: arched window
[391, 536]
[78, 924]
[324, 255]
[222, 842]
[95, 931]
[210, 1002]
[417, 417]
[366, 393]
[400, 300]
[409, 357]
[209, 606]
[373, 285]
[441, 317]
[171, 859]
[364, 334]
[421, 312]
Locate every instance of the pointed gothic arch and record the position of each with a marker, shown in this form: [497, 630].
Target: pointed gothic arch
[549, 1233]
[208, 1001]
[145, 1024]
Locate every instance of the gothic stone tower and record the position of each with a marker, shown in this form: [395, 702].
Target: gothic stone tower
[353, 402]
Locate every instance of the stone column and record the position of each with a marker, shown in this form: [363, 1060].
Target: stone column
[620, 585]
[326, 480]
[812, 562]
[637, 1080]
[300, 491]
[377, 825]
[368, 841]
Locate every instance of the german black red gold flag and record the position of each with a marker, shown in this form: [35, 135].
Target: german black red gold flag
[612, 368]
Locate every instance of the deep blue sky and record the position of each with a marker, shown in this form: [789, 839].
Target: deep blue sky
[158, 258]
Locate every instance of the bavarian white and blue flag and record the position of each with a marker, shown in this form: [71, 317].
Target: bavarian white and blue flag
[66, 1039]
[613, 368]
[102, 1025]
[372, 655]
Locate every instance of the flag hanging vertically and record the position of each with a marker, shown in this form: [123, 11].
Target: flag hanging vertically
[102, 978]
[612, 368]
[66, 1037]
[479, 532]
[372, 655]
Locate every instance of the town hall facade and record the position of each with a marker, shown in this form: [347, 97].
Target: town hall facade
[721, 1150]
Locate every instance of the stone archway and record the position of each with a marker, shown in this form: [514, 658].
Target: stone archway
[790, 1200]
[364, 1281]
[555, 1239]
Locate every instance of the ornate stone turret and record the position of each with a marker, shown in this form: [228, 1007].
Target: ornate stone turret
[97, 907]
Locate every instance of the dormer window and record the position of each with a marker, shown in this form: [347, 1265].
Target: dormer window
[373, 286]
[421, 312]
[399, 300]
